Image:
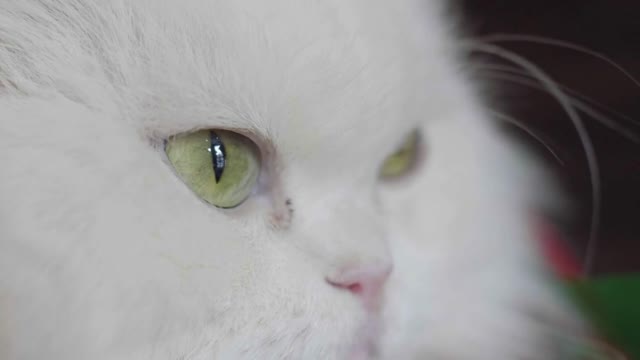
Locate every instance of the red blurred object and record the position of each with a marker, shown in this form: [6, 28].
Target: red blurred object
[558, 255]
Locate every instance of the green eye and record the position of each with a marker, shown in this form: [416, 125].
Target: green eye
[403, 160]
[221, 167]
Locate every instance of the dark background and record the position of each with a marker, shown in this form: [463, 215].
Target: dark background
[611, 28]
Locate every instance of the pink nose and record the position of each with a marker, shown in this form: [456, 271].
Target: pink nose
[364, 281]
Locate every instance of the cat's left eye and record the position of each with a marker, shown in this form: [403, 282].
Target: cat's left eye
[219, 166]
[403, 159]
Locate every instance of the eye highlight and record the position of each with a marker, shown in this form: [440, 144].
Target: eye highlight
[219, 166]
[403, 160]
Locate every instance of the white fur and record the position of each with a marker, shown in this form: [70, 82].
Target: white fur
[105, 254]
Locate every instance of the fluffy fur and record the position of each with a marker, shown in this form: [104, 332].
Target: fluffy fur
[105, 254]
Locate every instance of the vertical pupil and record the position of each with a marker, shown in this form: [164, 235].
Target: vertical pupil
[218, 155]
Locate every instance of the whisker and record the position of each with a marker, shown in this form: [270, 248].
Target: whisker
[499, 68]
[583, 134]
[580, 105]
[513, 121]
[493, 38]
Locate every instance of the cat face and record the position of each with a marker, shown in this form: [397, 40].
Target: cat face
[107, 252]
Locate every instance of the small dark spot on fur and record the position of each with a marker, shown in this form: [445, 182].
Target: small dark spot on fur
[289, 205]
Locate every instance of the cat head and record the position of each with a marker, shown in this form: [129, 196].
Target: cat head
[111, 248]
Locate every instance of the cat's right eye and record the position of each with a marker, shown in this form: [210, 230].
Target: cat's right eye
[219, 166]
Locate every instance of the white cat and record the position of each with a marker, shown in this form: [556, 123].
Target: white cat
[111, 244]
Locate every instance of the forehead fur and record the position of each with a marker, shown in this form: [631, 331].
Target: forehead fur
[301, 74]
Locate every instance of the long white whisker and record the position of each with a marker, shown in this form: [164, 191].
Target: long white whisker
[583, 134]
[499, 68]
[559, 43]
[511, 120]
[580, 105]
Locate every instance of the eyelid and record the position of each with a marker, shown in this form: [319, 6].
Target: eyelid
[158, 140]
[167, 124]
